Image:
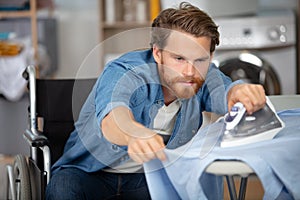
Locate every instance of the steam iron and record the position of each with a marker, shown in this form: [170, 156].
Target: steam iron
[241, 128]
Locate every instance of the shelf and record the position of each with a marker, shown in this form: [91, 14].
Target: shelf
[125, 25]
[15, 14]
[31, 13]
[127, 29]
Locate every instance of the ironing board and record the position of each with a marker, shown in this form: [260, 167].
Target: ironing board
[182, 175]
[234, 167]
[229, 169]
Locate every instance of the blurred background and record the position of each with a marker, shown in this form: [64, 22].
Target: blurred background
[259, 44]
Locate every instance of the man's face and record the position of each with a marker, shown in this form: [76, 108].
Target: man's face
[183, 64]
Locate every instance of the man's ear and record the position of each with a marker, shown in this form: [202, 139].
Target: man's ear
[156, 51]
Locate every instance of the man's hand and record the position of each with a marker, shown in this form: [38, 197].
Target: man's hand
[119, 127]
[144, 149]
[252, 96]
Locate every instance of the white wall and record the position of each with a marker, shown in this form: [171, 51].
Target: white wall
[278, 4]
[78, 27]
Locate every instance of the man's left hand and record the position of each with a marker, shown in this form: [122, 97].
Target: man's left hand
[252, 96]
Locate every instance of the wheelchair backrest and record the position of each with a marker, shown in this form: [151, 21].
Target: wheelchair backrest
[58, 105]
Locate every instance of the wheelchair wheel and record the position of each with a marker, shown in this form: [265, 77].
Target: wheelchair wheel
[22, 178]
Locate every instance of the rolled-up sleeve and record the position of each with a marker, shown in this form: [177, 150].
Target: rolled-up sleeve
[116, 87]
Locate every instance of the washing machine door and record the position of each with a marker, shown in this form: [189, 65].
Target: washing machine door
[249, 67]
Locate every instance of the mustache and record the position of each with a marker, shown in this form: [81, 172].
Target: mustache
[189, 80]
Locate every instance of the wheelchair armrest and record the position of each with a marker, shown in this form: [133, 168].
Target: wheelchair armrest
[35, 139]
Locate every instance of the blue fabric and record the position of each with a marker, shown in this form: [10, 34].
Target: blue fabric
[276, 162]
[133, 81]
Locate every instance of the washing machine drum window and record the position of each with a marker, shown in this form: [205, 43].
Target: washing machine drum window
[262, 73]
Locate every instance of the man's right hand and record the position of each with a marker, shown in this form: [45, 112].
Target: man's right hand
[119, 127]
[145, 149]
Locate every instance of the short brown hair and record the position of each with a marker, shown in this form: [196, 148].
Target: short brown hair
[186, 18]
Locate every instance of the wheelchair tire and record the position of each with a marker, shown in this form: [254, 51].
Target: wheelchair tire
[22, 178]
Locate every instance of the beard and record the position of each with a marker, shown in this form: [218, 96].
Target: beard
[182, 87]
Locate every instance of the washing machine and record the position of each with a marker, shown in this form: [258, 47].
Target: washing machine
[260, 49]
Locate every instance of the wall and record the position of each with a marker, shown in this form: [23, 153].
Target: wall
[78, 33]
[289, 4]
[13, 123]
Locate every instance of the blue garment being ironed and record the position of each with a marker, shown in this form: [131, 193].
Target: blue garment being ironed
[133, 81]
[276, 162]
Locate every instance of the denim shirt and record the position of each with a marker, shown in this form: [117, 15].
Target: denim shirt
[133, 81]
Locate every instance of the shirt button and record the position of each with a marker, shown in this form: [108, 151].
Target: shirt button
[160, 102]
[114, 147]
[193, 131]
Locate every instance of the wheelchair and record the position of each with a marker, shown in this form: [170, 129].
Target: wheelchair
[54, 106]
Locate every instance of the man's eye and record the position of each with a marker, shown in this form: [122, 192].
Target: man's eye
[179, 58]
[199, 62]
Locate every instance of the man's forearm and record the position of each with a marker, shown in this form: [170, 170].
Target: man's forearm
[120, 124]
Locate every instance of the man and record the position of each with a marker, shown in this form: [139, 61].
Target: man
[144, 102]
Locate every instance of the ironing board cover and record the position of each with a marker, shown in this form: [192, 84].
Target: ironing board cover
[276, 162]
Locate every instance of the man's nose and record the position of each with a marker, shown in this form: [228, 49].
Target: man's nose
[189, 69]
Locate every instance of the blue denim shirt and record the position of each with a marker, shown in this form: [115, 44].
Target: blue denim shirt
[133, 81]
